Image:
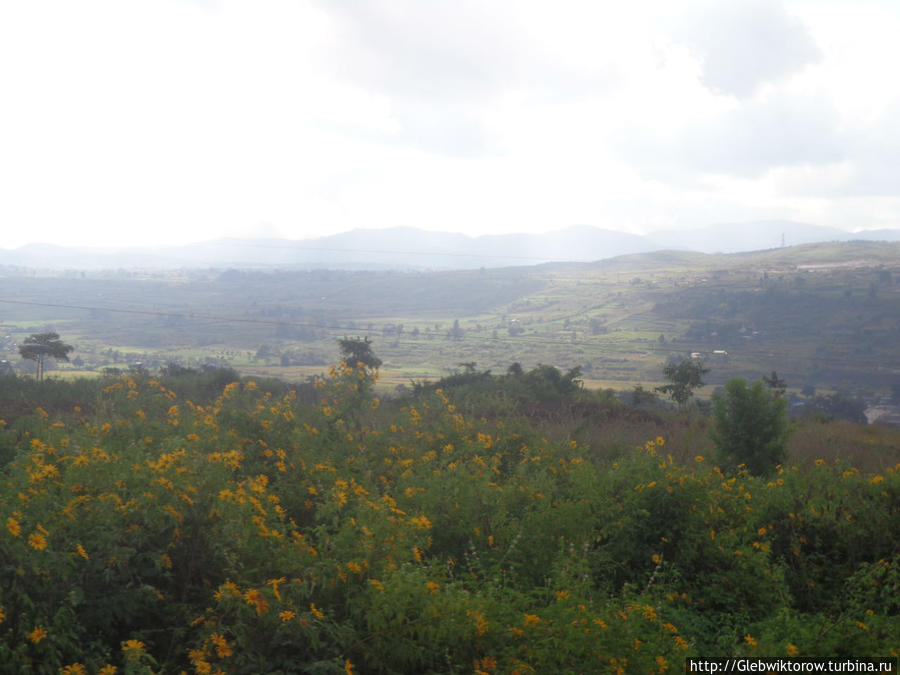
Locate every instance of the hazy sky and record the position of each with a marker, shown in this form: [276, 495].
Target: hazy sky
[169, 121]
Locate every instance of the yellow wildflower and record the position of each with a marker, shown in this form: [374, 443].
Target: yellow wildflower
[108, 669]
[791, 649]
[254, 597]
[74, 669]
[315, 612]
[421, 522]
[275, 583]
[82, 552]
[749, 639]
[532, 620]
[13, 526]
[37, 541]
[432, 587]
[487, 663]
[481, 624]
[223, 650]
[133, 648]
[286, 615]
[38, 634]
[228, 586]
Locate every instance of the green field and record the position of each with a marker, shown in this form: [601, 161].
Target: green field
[825, 315]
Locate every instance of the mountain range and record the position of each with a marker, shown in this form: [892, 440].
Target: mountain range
[412, 248]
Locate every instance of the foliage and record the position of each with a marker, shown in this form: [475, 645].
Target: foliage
[684, 376]
[256, 532]
[566, 316]
[776, 384]
[357, 350]
[38, 347]
[751, 427]
[835, 406]
[644, 397]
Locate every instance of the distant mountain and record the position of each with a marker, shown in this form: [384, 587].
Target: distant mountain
[752, 236]
[414, 249]
[398, 248]
[877, 235]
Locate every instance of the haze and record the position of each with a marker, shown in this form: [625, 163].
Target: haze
[136, 123]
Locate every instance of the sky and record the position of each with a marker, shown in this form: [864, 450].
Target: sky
[145, 122]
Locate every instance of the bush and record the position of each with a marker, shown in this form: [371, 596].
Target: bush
[751, 427]
[258, 533]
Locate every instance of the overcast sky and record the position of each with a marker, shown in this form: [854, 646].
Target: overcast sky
[171, 121]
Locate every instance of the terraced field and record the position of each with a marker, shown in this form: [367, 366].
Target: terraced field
[824, 315]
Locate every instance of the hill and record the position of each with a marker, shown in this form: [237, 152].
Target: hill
[823, 315]
[407, 248]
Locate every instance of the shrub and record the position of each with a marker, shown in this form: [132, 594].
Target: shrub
[751, 427]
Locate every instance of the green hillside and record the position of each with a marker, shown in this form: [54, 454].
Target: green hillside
[823, 315]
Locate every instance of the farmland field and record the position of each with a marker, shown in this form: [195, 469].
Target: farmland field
[823, 315]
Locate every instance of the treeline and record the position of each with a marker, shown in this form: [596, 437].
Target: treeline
[181, 521]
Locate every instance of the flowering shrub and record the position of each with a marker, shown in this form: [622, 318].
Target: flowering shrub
[254, 533]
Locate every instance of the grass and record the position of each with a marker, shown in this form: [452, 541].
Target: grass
[872, 448]
[812, 333]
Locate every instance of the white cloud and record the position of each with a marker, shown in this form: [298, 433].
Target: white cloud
[748, 140]
[181, 120]
[747, 43]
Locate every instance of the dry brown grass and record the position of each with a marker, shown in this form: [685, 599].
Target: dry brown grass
[871, 448]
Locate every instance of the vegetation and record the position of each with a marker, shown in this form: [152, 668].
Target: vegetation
[357, 351]
[684, 377]
[480, 524]
[808, 312]
[751, 427]
[43, 346]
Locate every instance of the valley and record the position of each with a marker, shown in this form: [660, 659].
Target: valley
[825, 316]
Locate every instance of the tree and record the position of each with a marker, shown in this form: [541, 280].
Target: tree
[455, 333]
[777, 384]
[684, 376]
[751, 426]
[643, 397]
[547, 383]
[40, 346]
[358, 350]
